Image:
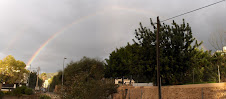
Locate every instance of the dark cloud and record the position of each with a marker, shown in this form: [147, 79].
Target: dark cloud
[98, 26]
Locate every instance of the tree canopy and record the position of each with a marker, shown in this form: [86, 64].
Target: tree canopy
[84, 79]
[44, 76]
[33, 79]
[12, 70]
[179, 56]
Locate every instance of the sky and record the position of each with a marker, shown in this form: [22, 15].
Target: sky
[42, 32]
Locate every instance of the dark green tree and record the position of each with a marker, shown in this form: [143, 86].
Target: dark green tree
[57, 80]
[177, 47]
[219, 59]
[33, 79]
[85, 80]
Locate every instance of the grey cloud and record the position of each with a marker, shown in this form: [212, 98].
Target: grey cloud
[101, 26]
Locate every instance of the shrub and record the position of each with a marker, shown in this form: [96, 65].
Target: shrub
[8, 92]
[19, 91]
[1, 94]
[23, 88]
[45, 97]
[28, 91]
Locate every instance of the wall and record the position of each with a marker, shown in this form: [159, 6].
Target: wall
[193, 91]
[0, 86]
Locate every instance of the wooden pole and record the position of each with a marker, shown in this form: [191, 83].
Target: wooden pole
[157, 58]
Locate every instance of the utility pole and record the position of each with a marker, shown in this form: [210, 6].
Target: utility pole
[219, 76]
[63, 77]
[157, 58]
[29, 76]
[36, 87]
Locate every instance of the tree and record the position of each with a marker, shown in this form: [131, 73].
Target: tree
[33, 79]
[85, 80]
[44, 76]
[12, 70]
[219, 59]
[218, 40]
[203, 68]
[177, 48]
[56, 80]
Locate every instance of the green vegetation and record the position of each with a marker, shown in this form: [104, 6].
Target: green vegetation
[1, 94]
[56, 80]
[22, 90]
[85, 80]
[33, 79]
[180, 56]
[29, 91]
[182, 61]
[44, 76]
[12, 70]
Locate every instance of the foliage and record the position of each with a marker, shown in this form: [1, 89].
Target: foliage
[22, 90]
[18, 91]
[44, 76]
[56, 80]
[180, 57]
[219, 59]
[1, 94]
[29, 91]
[33, 79]
[45, 97]
[12, 70]
[8, 92]
[85, 80]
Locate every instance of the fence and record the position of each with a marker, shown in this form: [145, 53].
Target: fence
[195, 91]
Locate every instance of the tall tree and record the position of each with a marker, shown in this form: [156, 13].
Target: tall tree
[176, 51]
[218, 40]
[33, 79]
[44, 76]
[56, 80]
[12, 70]
[219, 59]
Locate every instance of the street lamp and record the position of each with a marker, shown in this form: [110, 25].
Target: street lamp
[63, 75]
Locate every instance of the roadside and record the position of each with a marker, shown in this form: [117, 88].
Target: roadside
[52, 95]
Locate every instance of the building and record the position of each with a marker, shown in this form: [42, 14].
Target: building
[223, 52]
[124, 81]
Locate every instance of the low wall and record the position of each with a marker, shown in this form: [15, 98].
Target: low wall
[0, 86]
[193, 91]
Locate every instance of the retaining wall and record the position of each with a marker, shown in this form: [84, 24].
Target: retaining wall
[193, 91]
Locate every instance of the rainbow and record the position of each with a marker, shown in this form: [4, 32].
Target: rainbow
[56, 34]
[80, 20]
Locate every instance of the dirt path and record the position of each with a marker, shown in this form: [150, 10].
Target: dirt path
[52, 95]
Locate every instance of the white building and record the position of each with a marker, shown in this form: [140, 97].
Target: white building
[223, 52]
[125, 81]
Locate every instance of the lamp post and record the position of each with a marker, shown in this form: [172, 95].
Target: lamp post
[63, 76]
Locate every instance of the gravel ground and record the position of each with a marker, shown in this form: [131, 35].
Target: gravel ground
[52, 95]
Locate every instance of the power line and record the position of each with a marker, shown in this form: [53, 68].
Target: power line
[193, 10]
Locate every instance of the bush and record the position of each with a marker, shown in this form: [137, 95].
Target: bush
[1, 94]
[45, 97]
[23, 88]
[28, 91]
[8, 92]
[19, 91]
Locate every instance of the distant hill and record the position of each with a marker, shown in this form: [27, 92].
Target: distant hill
[50, 75]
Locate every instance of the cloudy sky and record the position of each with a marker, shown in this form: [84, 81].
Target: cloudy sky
[93, 28]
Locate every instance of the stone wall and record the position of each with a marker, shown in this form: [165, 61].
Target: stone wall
[193, 91]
